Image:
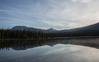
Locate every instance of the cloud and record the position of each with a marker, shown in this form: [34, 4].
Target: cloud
[59, 14]
[76, 13]
[83, 1]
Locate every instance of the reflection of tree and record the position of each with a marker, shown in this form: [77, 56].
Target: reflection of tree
[25, 44]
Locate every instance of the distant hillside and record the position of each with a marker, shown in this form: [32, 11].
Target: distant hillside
[25, 28]
[91, 30]
[32, 29]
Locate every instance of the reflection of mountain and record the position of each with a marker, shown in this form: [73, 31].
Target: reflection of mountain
[24, 44]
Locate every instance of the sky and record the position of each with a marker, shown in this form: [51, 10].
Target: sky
[44, 14]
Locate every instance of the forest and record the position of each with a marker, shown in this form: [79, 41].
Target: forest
[23, 34]
[18, 34]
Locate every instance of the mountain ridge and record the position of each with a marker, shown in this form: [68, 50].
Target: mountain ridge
[32, 29]
[90, 27]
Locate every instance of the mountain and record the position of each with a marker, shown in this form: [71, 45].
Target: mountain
[25, 28]
[91, 30]
[90, 27]
[32, 29]
[82, 31]
[51, 30]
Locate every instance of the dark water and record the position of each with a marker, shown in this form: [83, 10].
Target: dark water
[67, 50]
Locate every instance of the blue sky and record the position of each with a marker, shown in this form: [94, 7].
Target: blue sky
[57, 14]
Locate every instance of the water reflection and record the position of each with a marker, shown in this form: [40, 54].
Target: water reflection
[57, 53]
[25, 44]
[70, 50]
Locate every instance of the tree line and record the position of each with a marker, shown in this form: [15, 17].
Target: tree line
[23, 34]
[18, 34]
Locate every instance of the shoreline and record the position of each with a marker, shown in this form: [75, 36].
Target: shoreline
[76, 37]
[29, 39]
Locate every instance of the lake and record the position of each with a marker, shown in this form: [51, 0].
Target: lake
[53, 50]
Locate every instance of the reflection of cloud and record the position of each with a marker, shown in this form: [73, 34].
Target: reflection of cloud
[71, 53]
[57, 53]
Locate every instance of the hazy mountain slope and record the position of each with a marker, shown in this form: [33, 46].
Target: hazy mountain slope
[32, 29]
[25, 28]
[90, 27]
[91, 30]
[94, 27]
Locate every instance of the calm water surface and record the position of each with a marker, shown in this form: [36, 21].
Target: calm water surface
[70, 50]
